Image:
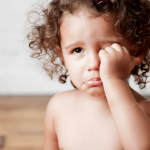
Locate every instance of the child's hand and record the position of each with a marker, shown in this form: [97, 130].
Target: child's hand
[116, 63]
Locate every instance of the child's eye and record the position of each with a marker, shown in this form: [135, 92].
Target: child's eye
[77, 50]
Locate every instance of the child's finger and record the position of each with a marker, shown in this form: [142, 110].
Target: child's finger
[116, 46]
[109, 49]
[102, 51]
[119, 48]
[125, 50]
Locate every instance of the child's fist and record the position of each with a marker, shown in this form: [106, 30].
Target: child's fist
[116, 63]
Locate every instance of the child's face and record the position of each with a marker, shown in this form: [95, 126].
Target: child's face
[81, 40]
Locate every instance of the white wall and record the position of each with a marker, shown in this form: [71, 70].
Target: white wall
[20, 74]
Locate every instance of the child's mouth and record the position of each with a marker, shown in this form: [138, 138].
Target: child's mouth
[93, 82]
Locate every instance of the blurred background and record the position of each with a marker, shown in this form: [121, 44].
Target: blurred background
[25, 89]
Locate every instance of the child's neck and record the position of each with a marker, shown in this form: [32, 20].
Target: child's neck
[93, 99]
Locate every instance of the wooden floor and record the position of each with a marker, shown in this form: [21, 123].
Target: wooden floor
[22, 122]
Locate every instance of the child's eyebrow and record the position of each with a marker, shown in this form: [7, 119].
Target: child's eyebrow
[112, 42]
[79, 42]
[73, 44]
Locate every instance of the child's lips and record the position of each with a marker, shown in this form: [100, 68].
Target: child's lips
[94, 82]
[94, 79]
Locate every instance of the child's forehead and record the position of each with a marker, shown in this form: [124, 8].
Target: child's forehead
[81, 26]
[82, 19]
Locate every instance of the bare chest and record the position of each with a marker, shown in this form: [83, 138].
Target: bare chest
[87, 131]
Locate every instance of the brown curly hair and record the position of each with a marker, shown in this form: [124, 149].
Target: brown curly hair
[132, 21]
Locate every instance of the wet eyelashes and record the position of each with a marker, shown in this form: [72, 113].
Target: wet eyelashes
[77, 50]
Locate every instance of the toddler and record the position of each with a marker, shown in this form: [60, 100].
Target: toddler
[99, 43]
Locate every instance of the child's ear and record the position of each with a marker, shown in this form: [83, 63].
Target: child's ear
[141, 57]
[59, 51]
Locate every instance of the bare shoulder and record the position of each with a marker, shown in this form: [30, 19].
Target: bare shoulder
[63, 98]
[145, 106]
[142, 101]
[59, 102]
[56, 106]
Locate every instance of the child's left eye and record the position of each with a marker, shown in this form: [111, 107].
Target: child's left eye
[77, 50]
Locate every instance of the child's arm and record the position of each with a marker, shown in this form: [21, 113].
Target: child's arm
[132, 124]
[50, 139]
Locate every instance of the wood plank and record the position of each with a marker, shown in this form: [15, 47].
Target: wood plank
[22, 122]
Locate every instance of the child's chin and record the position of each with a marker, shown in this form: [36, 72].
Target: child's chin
[95, 91]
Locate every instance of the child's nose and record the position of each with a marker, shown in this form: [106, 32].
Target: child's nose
[94, 62]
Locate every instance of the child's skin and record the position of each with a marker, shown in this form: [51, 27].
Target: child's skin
[107, 116]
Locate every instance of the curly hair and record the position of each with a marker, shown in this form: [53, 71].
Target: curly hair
[132, 21]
